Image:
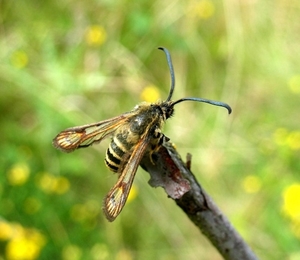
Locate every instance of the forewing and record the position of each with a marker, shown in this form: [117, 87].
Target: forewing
[84, 136]
[117, 196]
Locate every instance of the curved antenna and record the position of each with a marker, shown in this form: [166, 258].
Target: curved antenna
[212, 102]
[169, 60]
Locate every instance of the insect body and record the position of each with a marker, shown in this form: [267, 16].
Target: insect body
[134, 134]
[147, 120]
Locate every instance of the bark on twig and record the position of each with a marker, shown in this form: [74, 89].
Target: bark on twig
[170, 172]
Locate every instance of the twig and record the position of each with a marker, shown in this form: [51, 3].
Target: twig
[170, 172]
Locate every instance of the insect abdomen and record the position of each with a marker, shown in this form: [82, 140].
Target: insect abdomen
[116, 151]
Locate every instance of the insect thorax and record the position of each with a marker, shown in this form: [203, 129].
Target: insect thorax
[147, 120]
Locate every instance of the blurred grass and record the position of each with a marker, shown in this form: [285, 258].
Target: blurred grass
[70, 63]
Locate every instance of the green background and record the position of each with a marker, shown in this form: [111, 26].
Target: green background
[244, 53]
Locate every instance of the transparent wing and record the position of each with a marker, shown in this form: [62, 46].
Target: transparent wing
[117, 196]
[84, 136]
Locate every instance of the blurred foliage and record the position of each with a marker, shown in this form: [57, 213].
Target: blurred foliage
[66, 63]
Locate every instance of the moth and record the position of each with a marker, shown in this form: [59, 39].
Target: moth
[134, 134]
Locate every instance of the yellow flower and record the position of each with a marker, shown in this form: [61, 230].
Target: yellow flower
[46, 182]
[291, 201]
[61, 185]
[294, 84]
[150, 94]
[19, 59]
[252, 184]
[18, 174]
[95, 35]
[293, 140]
[133, 193]
[6, 230]
[25, 245]
[203, 9]
[52, 184]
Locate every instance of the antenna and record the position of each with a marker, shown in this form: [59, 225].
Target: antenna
[169, 60]
[211, 102]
